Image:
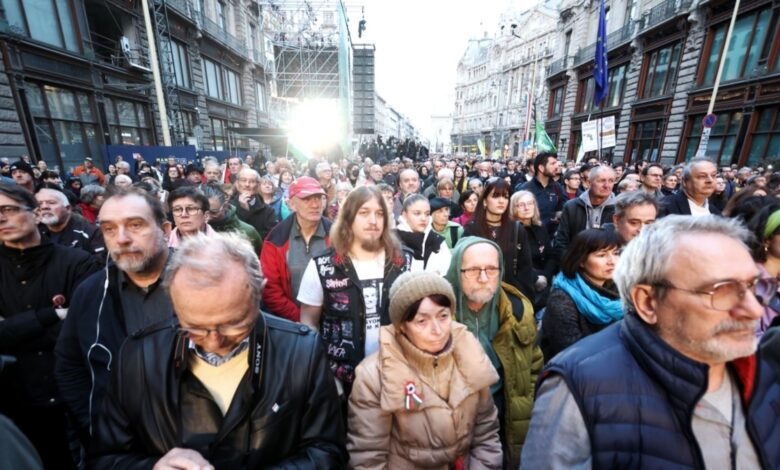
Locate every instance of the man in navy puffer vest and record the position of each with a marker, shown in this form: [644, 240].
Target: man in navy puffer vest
[678, 383]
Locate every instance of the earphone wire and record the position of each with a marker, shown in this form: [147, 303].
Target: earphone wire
[98, 345]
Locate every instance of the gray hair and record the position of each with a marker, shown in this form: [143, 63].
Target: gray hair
[123, 164]
[248, 170]
[57, 194]
[646, 259]
[626, 201]
[90, 192]
[198, 252]
[124, 178]
[445, 173]
[597, 170]
[212, 190]
[686, 175]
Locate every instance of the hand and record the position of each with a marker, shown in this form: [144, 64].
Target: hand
[243, 199]
[541, 283]
[137, 156]
[182, 459]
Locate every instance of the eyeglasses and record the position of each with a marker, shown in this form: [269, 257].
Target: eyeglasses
[189, 210]
[221, 330]
[10, 210]
[473, 273]
[727, 294]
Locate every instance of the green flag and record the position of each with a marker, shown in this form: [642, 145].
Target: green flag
[481, 146]
[543, 142]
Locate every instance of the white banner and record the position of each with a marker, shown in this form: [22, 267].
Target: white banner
[608, 133]
[590, 134]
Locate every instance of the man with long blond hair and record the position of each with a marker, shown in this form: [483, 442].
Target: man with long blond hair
[357, 270]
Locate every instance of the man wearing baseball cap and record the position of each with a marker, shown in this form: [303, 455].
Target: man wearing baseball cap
[291, 244]
[88, 173]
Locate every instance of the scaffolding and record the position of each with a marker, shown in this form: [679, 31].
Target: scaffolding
[312, 55]
[167, 72]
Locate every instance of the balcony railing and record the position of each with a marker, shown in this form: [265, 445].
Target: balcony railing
[664, 11]
[217, 32]
[183, 7]
[614, 39]
[556, 67]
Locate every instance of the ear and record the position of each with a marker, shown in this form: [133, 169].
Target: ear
[645, 303]
[167, 227]
[615, 219]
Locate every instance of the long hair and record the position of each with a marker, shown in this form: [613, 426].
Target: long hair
[341, 236]
[493, 185]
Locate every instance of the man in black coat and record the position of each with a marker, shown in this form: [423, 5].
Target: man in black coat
[592, 209]
[121, 299]
[251, 390]
[63, 227]
[37, 280]
[250, 207]
[698, 184]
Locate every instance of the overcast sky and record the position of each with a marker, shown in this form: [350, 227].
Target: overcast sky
[418, 46]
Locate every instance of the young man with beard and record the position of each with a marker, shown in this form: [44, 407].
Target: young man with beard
[549, 195]
[37, 283]
[678, 382]
[114, 303]
[339, 284]
[60, 225]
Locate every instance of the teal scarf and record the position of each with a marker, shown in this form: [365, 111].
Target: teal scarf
[596, 308]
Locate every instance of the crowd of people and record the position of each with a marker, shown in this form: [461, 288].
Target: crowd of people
[394, 310]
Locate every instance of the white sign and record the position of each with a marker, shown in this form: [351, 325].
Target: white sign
[608, 134]
[590, 135]
[603, 128]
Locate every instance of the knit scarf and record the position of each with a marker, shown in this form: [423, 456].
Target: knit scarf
[596, 308]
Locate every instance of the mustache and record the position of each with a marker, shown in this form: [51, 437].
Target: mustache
[732, 326]
[126, 251]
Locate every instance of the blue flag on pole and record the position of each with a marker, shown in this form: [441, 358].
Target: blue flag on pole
[600, 69]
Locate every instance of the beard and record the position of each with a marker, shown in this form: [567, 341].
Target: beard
[50, 219]
[715, 347]
[140, 264]
[481, 295]
[371, 245]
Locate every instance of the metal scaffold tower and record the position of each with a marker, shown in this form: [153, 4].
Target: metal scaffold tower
[167, 72]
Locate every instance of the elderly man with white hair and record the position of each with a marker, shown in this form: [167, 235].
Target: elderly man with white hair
[591, 209]
[63, 227]
[679, 382]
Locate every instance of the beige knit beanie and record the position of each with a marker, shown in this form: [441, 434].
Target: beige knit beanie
[410, 287]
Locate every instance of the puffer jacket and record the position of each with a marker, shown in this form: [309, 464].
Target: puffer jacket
[521, 361]
[433, 433]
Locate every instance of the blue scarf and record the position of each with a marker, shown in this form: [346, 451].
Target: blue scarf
[596, 308]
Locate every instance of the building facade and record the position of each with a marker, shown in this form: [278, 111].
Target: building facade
[500, 84]
[663, 57]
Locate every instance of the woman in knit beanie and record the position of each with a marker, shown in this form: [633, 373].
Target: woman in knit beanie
[423, 399]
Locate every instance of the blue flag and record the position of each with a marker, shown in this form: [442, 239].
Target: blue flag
[600, 69]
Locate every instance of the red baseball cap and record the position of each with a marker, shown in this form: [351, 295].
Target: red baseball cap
[304, 187]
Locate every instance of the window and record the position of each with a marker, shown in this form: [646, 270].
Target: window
[260, 97]
[65, 125]
[221, 82]
[661, 70]
[617, 85]
[746, 49]
[766, 138]
[723, 138]
[218, 134]
[49, 21]
[646, 142]
[181, 64]
[127, 122]
[556, 102]
[221, 17]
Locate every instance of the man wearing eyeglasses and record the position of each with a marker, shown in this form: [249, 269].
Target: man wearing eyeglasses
[502, 318]
[37, 281]
[116, 302]
[678, 383]
[190, 210]
[231, 387]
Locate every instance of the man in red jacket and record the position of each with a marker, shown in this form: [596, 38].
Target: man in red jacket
[290, 245]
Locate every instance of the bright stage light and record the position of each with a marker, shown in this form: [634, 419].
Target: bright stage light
[315, 125]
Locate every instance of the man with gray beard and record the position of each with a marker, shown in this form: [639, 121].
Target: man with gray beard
[678, 382]
[59, 224]
[118, 301]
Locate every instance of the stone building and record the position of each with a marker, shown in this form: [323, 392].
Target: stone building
[500, 84]
[663, 57]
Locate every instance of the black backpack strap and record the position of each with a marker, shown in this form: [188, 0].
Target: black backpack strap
[454, 235]
[517, 306]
